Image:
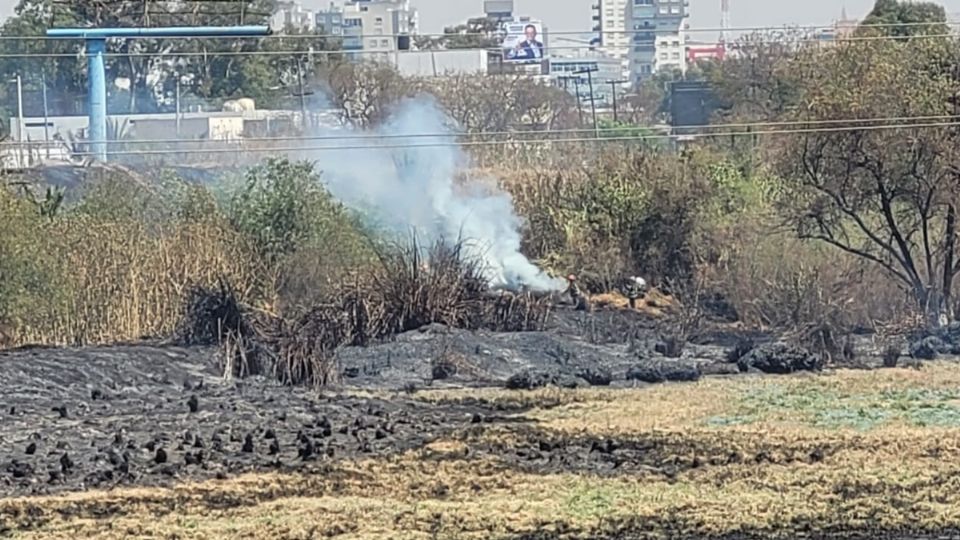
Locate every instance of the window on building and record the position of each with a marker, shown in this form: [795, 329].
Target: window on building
[379, 20]
[643, 2]
[352, 22]
[372, 43]
[384, 42]
[676, 56]
[675, 9]
[664, 10]
[663, 56]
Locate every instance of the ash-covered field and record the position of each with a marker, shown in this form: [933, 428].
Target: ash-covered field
[155, 414]
[429, 418]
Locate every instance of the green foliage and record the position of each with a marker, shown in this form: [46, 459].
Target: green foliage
[204, 74]
[476, 33]
[822, 404]
[25, 272]
[306, 239]
[274, 207]
[627, 130]
[905, 19]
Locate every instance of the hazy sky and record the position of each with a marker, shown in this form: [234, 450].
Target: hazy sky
[574, 15]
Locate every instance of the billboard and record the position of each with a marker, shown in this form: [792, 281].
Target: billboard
[524, 42]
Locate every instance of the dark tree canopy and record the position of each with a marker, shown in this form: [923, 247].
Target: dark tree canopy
[153, 67]
[904, 19]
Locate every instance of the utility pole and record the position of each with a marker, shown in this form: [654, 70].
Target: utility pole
[20, 126]
[576, 84]
[178, 105]
[593, 103]
[303, 102]
[46, 114]
[613, 87]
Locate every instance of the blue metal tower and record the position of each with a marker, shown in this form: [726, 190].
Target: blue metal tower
[96, 44]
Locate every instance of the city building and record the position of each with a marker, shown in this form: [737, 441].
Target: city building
[330, 21]
[438, 63]
[705, 51]
[375, 27]
[658, 41]
[498, 10]
[292, 15]
[840, 29]
[610, 24]
[605, 72]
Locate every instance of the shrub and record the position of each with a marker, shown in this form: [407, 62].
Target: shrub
[307, 241]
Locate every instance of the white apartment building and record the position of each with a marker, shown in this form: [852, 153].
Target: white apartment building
[292, 14]
[658, 41]
[610, 18]
[376, 27]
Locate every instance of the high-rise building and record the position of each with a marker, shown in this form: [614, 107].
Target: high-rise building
[658, 36]
[292, 15]
[610, 24]
[376, 27]
[498, 10]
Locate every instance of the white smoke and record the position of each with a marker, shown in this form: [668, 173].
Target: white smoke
[414, 189]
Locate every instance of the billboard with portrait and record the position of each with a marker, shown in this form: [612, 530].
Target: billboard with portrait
[524, 42]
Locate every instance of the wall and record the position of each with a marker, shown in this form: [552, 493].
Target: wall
[438, 63]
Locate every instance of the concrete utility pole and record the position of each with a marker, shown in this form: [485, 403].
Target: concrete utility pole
[576, 84]
[613, 87]
[21, 127]
[46, 114]
[178, 105]
[593, 103]
[303, 102]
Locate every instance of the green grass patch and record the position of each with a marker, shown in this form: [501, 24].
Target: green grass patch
[823, 404]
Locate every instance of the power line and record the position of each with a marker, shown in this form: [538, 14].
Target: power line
[311, 52]
[948, 23]
[523, 142]
[885, 121]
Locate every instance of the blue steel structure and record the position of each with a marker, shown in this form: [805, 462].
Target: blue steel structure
[96, 45]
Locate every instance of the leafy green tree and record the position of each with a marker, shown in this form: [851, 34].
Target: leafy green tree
[208, 69]
[476, 33]
[905, 19]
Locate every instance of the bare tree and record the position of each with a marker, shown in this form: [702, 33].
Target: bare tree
[884, 193]
[364, 92]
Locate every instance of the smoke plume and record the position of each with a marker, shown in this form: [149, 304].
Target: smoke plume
[415, 189]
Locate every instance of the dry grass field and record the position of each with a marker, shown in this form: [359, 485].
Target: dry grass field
[874, 453]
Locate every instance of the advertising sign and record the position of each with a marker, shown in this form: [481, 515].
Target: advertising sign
[524, 42]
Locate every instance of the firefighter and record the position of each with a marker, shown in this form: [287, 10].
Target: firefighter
[580, 301]
[634, 288]
[573, 290]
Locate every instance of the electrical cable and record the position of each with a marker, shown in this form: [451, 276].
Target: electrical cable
[770, 28]
[885, 121]
[521, 142]
[365, 52]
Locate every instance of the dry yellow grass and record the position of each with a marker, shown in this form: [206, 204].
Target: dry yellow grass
[891, 475]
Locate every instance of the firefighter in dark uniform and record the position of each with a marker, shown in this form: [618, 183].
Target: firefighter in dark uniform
[634, 288]
[573, 290]
[580, 300]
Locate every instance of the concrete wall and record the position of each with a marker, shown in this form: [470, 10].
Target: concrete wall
[439, 63]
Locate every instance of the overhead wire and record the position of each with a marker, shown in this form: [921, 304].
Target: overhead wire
[948, 23]
[330, 136]
[521, 142]
[365, 52]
